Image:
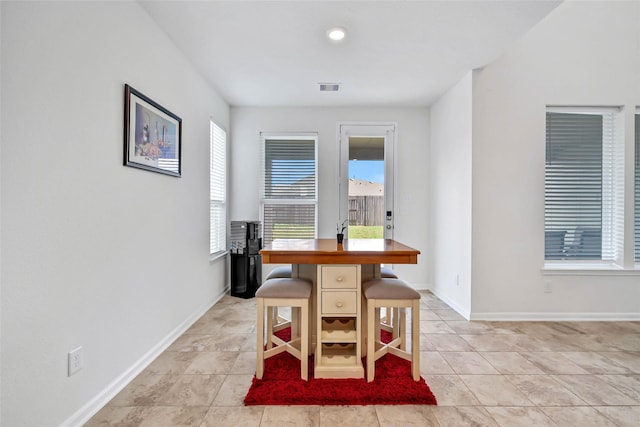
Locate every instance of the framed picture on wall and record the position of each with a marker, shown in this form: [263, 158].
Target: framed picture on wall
[152, 135]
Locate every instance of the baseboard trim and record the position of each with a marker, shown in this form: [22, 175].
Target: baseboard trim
[557, 317]
[454, 306]
[82, 415]
[539, 316]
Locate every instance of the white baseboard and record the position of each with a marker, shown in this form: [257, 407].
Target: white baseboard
[539, 316]
[557, 317]
[454, 306]
[82, 415]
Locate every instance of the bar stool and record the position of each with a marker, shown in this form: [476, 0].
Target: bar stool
[279, 321]
[387, 273]
[283, 272]
[283, 292]
[394, 293]
[389, 320]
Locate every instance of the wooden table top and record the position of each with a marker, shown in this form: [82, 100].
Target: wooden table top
[327, 251]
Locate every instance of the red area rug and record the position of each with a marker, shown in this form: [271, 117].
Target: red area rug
[392, 385]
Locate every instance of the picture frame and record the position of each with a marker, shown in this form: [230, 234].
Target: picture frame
[152, 135]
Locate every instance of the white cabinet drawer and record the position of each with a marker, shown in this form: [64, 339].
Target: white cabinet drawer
[339, 276]
[339, 302]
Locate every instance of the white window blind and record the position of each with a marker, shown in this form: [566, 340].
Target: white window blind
[584, 186]
[637, 191]
[217, 189]
[289, 190]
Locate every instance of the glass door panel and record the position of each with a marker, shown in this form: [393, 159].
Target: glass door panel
[366, 180]
[366, 188]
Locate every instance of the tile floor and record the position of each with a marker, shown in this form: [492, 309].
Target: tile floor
[482, 373]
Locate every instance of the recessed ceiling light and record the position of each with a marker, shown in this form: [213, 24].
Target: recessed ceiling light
[336, 34]
[329, 87]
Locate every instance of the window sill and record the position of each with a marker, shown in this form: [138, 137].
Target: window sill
[588, 269]
[217, 255]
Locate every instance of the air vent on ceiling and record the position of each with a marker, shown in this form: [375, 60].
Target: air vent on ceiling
[329, 87]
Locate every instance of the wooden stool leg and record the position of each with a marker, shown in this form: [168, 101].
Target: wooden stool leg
[270, 311]
[260, 340]
[378, 329]
[304, 344]
[395, 322]
[295, 322]
[403, 328]
[364, 339]
[371, 330]
[415, 340]
[275, 316]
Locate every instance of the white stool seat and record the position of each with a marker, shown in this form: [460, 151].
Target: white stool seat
[273, 293]
[284, 288]
[391, 293]
[389, 289]
[390, 316]
[283, 272]
[387, 273]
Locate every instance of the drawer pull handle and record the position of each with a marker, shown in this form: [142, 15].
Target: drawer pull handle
[339, 279]
[339, 304]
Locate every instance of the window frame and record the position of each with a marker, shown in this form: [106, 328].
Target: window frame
[218, 190]
[612, 193]
[274, 201]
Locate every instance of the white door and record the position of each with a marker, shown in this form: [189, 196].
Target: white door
[366, 170]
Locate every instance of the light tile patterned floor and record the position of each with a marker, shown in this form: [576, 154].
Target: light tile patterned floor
[482, 373]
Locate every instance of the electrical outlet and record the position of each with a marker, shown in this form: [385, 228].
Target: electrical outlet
[547, 287]
[75, 360]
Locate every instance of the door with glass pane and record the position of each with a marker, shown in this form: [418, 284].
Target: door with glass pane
[366, 179]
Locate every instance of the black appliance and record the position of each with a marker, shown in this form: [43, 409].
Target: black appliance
[246, 262]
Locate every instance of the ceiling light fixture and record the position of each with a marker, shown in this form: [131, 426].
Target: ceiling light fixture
[336, 34]
[329, 87]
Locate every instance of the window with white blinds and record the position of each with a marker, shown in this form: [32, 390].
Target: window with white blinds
[637, 190]
[584, 185]
[217, 189]
[289, 202]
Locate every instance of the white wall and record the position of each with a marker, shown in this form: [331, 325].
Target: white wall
[94, 254]
[584, 53]
[450, 203]
[411, 171]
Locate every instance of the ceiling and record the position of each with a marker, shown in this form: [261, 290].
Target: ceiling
[396, 53]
